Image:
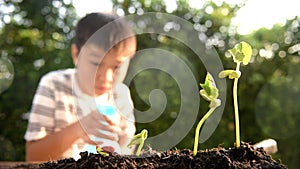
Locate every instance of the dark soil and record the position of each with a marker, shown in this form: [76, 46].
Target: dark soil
[233, 158]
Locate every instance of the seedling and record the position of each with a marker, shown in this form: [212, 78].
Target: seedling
[241, 53]
[101, 151]
[139, 139]
[210, 93]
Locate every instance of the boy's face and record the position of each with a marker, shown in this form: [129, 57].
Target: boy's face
[96, 74]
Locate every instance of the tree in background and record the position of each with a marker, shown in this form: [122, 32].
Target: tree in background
[212, 23]
[264, 113]
[35, 36]
[274, 80]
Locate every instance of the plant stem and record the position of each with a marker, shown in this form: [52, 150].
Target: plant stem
[236, 108]
[138, 151]
[143, 137]
[211, 110]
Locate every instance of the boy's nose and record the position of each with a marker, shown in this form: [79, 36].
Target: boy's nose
[105, 76]
[109, 75]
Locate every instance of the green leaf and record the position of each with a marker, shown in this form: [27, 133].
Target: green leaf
[205, 95]
[241, 52]
[139, 138]
[232, 74]
[101, 151]
[210, 91]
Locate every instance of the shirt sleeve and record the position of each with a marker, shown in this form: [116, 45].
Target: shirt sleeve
[41, 117]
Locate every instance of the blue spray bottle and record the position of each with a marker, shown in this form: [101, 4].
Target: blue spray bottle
[110, 111]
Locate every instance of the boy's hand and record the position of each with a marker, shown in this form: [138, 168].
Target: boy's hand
[98, 125]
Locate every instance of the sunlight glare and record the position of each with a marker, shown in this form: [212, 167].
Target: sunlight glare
[254, 15]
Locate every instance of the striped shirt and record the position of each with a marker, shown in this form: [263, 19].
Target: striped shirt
[59, 102]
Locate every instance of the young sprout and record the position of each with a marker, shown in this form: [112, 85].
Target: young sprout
[210, 93]
[139, 139]
[241, 53]
[101, 151]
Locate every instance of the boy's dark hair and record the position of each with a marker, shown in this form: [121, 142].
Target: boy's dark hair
[104, 30]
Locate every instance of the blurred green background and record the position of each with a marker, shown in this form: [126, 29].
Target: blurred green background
[35, 38]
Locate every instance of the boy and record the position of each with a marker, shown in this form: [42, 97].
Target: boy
[64, 117]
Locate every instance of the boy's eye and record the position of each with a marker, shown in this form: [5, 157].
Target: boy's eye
[94, 63]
